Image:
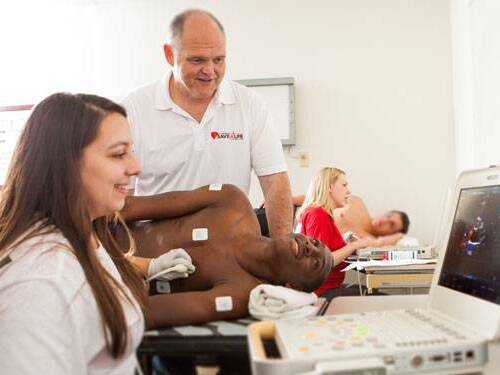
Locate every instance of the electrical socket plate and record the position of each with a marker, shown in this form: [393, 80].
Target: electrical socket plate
[303, 159]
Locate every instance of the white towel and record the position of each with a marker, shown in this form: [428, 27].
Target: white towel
[276, 302]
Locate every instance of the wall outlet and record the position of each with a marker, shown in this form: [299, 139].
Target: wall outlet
[303, 159]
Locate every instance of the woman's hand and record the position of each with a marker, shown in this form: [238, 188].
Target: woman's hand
[364, 242]
[360, 243]
[174, 264]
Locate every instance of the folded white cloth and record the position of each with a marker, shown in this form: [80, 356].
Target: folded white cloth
[276, 302]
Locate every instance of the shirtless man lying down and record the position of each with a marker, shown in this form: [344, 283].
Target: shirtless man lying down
[230, 262]
[387, 228]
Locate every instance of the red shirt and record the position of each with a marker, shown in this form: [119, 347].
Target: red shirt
[317, 223]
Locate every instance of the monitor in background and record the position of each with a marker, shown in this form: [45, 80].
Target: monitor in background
[279, 94]
[472, 260]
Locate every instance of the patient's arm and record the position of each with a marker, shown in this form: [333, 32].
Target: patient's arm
[361, 233]
[389, 240]
[298, 200]
[177, 203]
[141, 264]
[381, 241]
[197, 307]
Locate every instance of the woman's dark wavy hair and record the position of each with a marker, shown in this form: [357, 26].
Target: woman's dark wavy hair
[43, 189]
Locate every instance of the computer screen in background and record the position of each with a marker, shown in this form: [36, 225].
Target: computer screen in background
[472, 261]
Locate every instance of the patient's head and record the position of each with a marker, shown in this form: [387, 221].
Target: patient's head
[303, 262]
[390, 222]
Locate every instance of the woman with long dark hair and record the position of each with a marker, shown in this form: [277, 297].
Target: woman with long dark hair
[71, 298]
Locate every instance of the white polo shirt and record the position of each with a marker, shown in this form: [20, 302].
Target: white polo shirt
[178, 153]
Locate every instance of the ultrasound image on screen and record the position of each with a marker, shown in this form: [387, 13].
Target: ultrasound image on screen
[472, 261]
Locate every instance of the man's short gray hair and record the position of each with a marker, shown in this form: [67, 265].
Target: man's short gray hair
[177, 25]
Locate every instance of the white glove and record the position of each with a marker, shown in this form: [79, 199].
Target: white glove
[174, 264]
[350, 236]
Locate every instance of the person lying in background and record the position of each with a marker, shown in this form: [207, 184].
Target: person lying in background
[387, 228]
[71, 299]
[328, 190]
[219, 230]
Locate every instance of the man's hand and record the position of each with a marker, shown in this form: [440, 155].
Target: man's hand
[174, 264]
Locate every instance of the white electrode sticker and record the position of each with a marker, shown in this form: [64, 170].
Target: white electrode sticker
[215, 187]
[200, 234]
[163, 286]
[224, 303]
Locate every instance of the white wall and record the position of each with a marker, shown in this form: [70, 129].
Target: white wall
[373, 78]
[374, 97]
[476, 52]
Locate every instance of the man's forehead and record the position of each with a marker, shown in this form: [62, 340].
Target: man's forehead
[394, 216]
[201, 30]
[202, 48]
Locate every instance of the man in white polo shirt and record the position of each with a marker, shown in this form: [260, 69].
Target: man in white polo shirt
[192, 128]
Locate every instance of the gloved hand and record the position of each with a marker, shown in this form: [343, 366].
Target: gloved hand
[174, 264]
[350, 236]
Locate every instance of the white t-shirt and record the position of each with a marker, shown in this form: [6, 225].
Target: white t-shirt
[49, 320]
[178, 153]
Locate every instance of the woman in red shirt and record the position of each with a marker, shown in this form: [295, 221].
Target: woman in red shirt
[327, 191]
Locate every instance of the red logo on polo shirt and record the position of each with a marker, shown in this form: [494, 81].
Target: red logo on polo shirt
[232, 136]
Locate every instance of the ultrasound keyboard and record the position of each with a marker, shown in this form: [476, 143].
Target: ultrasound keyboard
[365, 332]
[401, 340]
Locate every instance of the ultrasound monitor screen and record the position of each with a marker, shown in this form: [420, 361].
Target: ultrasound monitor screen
[472, 261]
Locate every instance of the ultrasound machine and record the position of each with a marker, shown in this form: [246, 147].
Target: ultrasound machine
[447, 336]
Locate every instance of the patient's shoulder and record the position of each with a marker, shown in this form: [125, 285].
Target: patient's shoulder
[356, 202]
[232, 194]
[356, 209]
